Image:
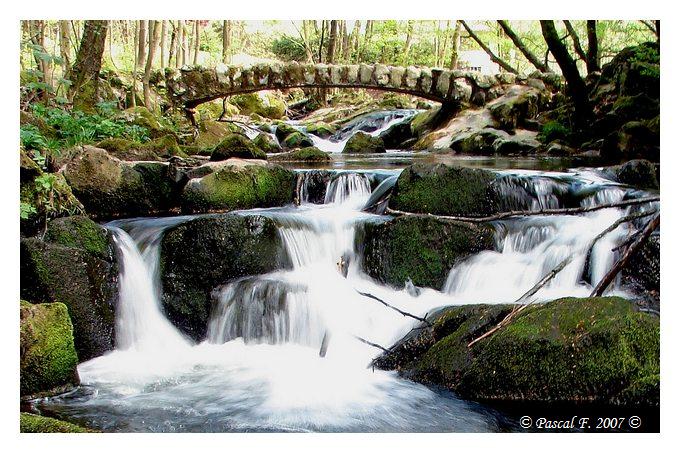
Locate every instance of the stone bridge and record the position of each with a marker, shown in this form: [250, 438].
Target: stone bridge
[191, 86]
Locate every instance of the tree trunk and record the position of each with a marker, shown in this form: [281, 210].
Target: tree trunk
[65, 44]
[164, 32]
[593, 60]
[577, 42]
[455, 46]
[488, 51]
[197, 40]
[154, 37]
[141, 43]
[332, 40]
[407, 44]
[184, 45]
[226, 41]
[171, 47]
[89, 58]
[347, 46]
[576, 87]
[517, 41]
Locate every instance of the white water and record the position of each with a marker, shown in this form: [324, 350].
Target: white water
[259, 368]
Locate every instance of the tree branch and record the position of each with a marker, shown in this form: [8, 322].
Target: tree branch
[522, 47]
[488, 51]
[401, 312]
[508, 214]
[630, 251]
[577, 42]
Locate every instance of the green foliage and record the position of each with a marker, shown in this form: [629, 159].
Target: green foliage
[553, 130]
[26, 210]
[77, 127]
[31, 423]
[289, 48]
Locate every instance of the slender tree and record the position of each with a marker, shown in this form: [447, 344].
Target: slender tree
[164, 32]
[593, 57]
[65, 44]
[226, 41]
[154, 38]
[455, 46]
[197, 40]
[141, 42]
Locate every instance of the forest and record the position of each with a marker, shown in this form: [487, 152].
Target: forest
[338, 225]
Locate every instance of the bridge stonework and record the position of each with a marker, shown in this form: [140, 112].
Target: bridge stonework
[191, 86]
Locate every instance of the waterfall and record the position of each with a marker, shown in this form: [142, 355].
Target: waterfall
[140, 323]
[348, 187]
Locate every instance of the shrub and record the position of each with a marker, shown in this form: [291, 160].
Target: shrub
[553, 130]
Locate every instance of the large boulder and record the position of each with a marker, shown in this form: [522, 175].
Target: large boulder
[236, 146]
[297, 140]
[75, 265]
[420, 249]
[156, 149]
[267, 143]
[109, 187]
[364, 143]
[222, 248]
[142, 117]
[211, 132]
[479, 142]
[283, 130]
[445, 190]
[574, 351]
[634, 140]
[261, 103]
[308, 154]
[518, 106]
[637, 173]
[321, 129]
[239, 184]
[48, 357]
[642, 275]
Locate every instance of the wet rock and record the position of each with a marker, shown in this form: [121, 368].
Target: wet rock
[559, 149]
[283, 130]
[363, 143]
[236, 146]
[637, 173]
[297, 140]
[238, 184]
[577, 351]
[223, 248]
[642, 275]
[48, 357]
[75, 265]
[308, 154]
[267, 144]
[211, 132]
[267, 105]
[422, 250]
[445, 190]
[108, 187]
[519, 104]
[311, 185]
[157, 149]
[479, 142]
[321, 129]
[397, 134]
[635, 139]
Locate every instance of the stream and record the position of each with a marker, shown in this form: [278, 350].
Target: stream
[259, 367]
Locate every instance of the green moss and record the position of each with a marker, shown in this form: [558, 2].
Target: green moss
[446, 190]
[569, 350]
[421, 121]
[239, 187]
[80, 232]
[297, 140]
[553, 130]
[263, 104]
[31, 423]
[308, 154]
[210, 133]
[266, 143]
[361, 143]
[116, 144]
[48, 356]
[421, 249]
[238, 146]
[321, 129]
[283, 130]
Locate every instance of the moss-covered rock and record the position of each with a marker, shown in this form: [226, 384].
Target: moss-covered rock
[48, 357]
[297, 140]
[31, 423]
[223, 248]
[421, 249]
[75, 265]
[239, 184]
[236, 146]
[141, 116]
[264, 104]
[635, 140]
[321, 129]
[637, 173]
[363, 143]
[213, 109]
[283, 130]
[517, 106]
[211, 132]
[445, 190]
[109, 187]
[480, 142]
[308, 154]
[596, 350]
[267, 143]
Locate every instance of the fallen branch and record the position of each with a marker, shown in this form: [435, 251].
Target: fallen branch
[375, 345]
[616, 224]
[518, 308]
[630, 251]
[401, 312]
[508, 214]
